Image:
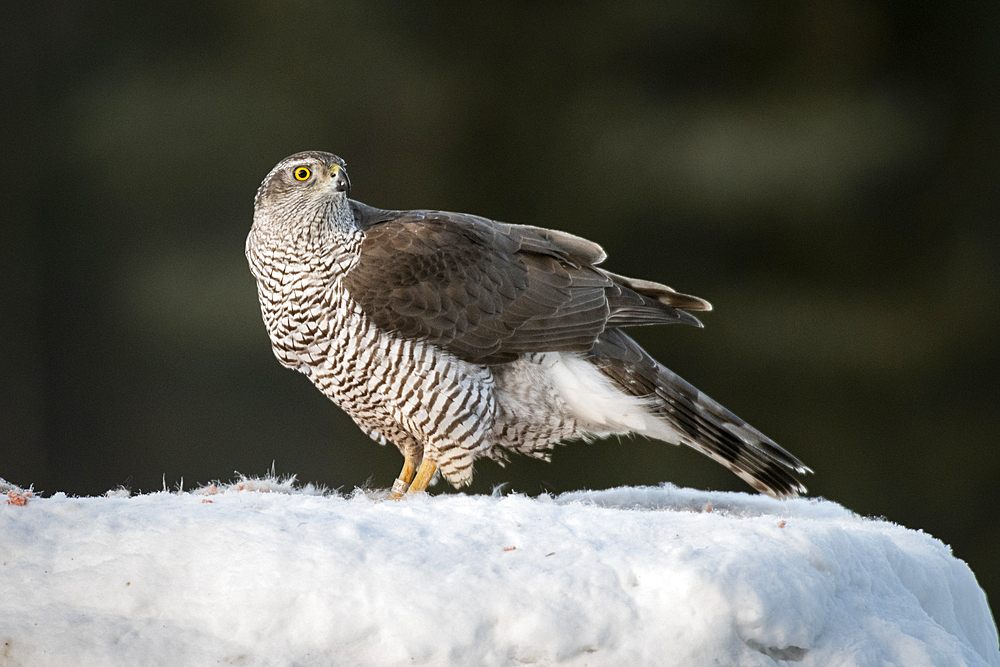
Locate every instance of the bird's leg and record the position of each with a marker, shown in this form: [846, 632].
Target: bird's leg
[424, 476]
[402, 482]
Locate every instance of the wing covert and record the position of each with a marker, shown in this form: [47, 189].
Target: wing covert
[488, 291]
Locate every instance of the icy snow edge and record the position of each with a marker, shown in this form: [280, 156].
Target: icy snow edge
[260, 572]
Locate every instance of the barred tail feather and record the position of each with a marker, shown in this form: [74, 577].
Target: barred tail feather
[690, 417]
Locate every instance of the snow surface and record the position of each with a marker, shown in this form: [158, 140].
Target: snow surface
[262, 573]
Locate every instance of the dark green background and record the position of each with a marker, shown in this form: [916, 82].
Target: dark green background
[824, 172]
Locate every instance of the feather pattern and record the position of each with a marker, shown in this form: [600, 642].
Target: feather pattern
[489, 292]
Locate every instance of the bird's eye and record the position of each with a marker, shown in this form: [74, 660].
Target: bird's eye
[302, 174]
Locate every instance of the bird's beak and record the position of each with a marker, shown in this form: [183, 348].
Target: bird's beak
[341, 183]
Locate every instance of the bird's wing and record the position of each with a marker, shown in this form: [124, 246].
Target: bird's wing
[489, 291]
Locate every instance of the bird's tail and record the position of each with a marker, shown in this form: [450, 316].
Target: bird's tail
[694, 419]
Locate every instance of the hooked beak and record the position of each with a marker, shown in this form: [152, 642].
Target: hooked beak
[341, 183]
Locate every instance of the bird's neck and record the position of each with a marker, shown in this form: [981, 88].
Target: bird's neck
[325, 235]
[332, 230]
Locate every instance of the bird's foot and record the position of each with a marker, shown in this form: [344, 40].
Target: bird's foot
[407, 484]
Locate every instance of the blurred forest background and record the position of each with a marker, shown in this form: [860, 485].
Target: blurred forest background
[824, 172]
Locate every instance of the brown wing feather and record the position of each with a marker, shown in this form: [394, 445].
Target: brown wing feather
[489, 291]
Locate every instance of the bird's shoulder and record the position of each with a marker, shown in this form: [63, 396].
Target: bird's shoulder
[411, 230]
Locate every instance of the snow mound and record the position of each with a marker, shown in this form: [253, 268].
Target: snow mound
[261, 573]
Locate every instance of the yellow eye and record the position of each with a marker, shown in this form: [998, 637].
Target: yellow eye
[302, 174]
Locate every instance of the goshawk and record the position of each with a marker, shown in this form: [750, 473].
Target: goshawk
[455, 337]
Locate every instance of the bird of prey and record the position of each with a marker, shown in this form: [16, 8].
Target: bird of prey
[456, 337]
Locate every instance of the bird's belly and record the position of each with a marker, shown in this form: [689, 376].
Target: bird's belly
[410, 393]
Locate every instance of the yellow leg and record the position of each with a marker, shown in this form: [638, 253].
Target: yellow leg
[424, 476]
[402, 482]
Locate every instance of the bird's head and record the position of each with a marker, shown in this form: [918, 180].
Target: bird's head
[304, 186]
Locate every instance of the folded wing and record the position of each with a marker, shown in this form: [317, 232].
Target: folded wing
[489, 292]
